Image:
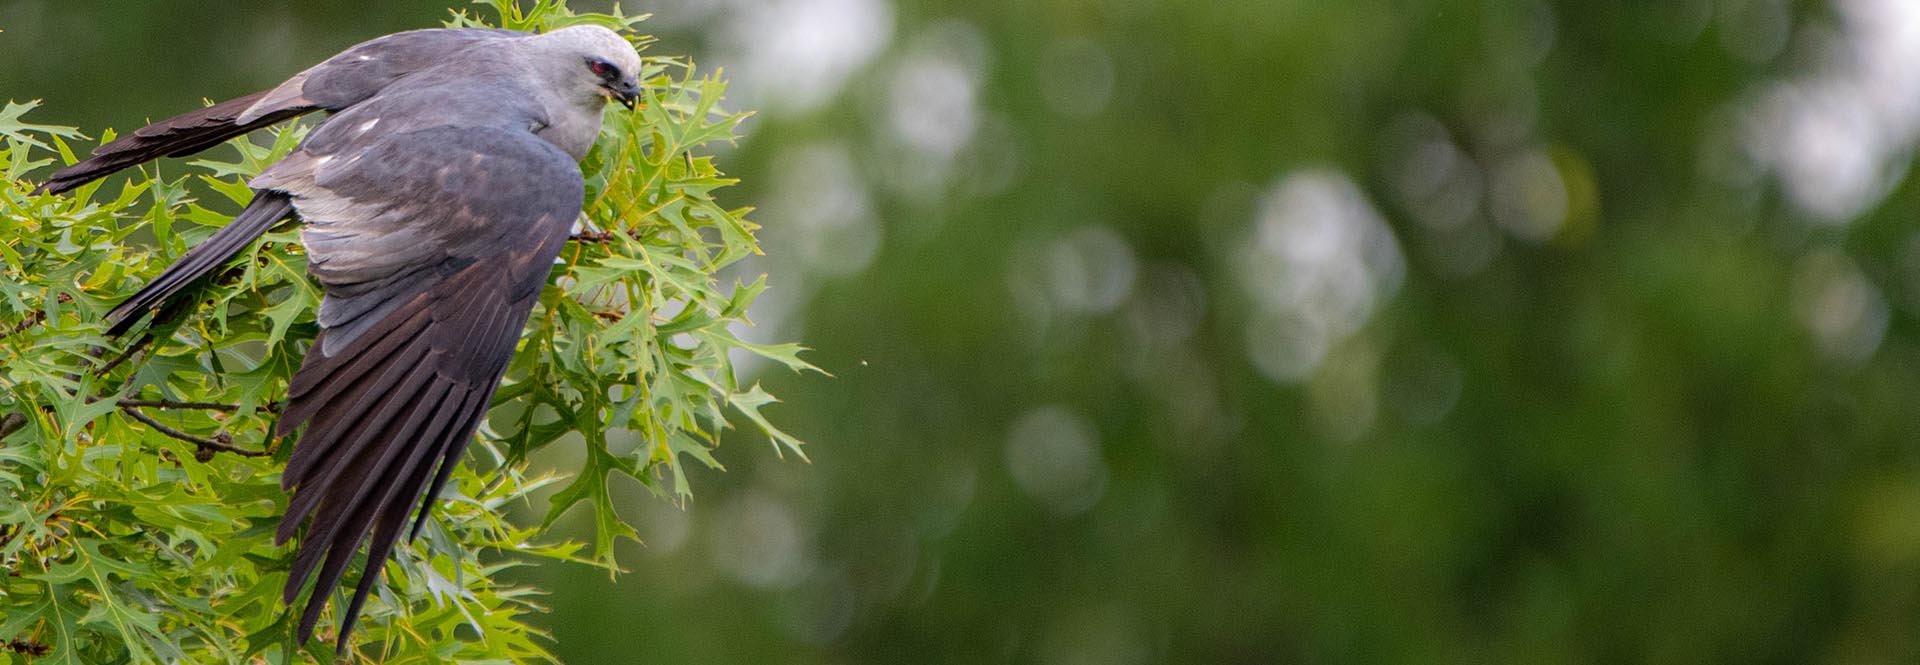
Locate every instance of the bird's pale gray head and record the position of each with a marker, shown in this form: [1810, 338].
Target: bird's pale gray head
[592, 61]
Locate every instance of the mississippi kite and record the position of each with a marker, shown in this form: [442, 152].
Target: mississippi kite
[435, 198]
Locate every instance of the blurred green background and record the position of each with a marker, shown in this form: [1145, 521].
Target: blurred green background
[1258, 331]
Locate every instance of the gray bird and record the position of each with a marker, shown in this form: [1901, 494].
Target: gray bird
[435, 198]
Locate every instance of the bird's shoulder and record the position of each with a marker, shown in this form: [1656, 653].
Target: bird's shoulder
[368, 68]
[440, 169]
[484, 101]
[411, 205]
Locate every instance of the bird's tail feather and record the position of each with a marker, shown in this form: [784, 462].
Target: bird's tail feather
[178, 136]
[267, 209]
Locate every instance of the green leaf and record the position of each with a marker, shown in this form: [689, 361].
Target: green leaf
[21, 133]
[750, 403]
[591, 486]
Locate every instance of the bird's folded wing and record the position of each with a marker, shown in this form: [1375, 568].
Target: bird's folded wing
[432, 247]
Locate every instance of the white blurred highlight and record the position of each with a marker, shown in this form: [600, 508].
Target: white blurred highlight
[1529, 198]
[1076, 77]
[1054, 456]
[932, 109]
[1839, 135]
[1090, 270]
[1320, 262]
[1839, 307]
[795, 55]
[760, 541]
[821, 212]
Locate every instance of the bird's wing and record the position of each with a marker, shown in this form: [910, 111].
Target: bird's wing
[367, 68]
[266, 210]
[432, 246]
[342, 81]
[178, 136]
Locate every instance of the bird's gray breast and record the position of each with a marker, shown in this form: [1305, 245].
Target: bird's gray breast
[570, 130]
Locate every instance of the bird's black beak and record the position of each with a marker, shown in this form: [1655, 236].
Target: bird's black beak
[626, 91]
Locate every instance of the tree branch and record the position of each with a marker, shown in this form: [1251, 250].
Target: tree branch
[28, 647]
[221, 442]
[33, 319]
[270, 407]
[124, 355]
[171, 404]
[11, 423]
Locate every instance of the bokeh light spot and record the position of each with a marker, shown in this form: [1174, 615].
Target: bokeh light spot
[1320, 262]
[1054, 457]
[1841, 309]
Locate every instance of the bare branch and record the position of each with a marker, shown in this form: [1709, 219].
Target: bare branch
[124, 355]
[11, 423]
[270, 407]
[171, 404]
[33, 319]
[28, 647]
[221, 442]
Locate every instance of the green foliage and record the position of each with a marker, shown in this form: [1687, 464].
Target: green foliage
[139, 484]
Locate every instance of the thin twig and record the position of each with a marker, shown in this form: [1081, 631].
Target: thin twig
[270, 407]
[171, 404]
[592, 236]
[221, 442]
[28, 647]
[33, 319]
[124, 355]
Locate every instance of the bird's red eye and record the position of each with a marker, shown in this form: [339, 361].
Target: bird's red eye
[601, 68]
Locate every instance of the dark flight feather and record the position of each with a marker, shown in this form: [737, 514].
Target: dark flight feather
[442, 273]
[392, 420]
[266, 209]
[339, 82]
[178, 136]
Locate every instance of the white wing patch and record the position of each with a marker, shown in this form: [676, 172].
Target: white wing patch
[284, 96]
